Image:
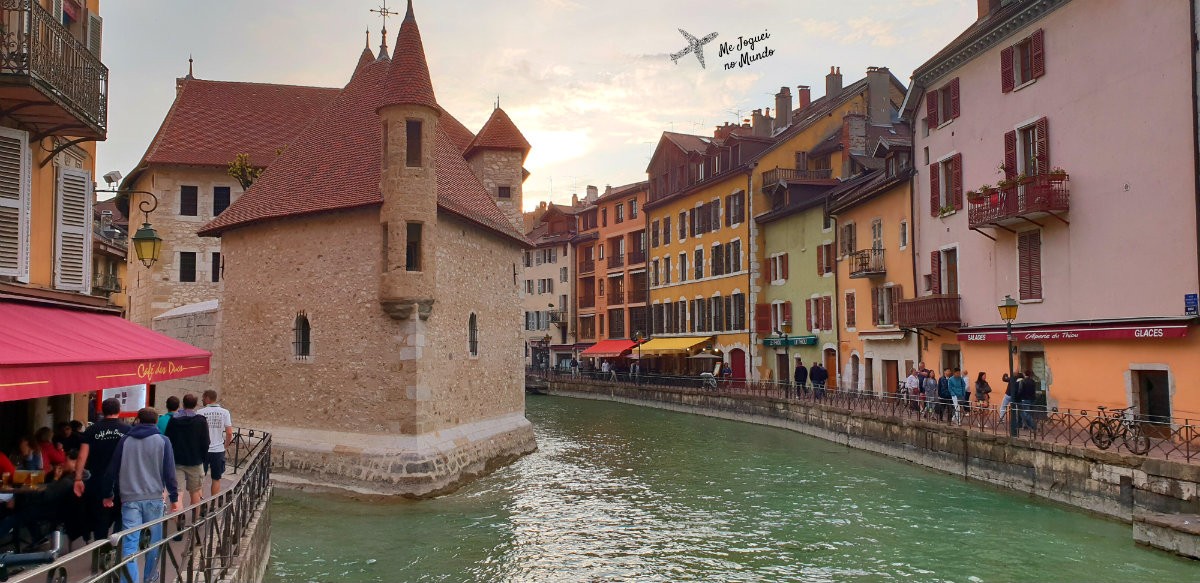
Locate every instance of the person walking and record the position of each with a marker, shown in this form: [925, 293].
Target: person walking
[929, 390]
[220, 436]
[188, 434]
[943, 395]
[818, 375]
[142, 466]
[172, 407]
[912, 386]
[1026, 394]
[95, 452]
[983, 392]
[800, 376]
[1013, 408]
[958, 395]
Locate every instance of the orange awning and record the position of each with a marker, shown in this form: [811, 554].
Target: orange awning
[609, 348]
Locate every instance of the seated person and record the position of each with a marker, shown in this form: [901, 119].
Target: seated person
[67, 437]
[28, 456]
[51, 455]
[43, 510]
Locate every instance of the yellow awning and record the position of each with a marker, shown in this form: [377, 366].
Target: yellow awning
[678, 345]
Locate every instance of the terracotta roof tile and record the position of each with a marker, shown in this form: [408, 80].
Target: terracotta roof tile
[458, 133]
[499, 133]
[213, 121]
[408, 81]
[365, 59]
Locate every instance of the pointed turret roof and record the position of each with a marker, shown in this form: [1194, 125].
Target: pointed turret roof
[408, 81]
[499, 133]
[365, 59]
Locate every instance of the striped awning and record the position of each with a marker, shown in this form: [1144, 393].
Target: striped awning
[684, 345]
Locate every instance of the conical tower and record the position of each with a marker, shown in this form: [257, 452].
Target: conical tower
[408, 181]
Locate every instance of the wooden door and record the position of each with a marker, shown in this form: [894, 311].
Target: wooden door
[831, 366]
[891, 376]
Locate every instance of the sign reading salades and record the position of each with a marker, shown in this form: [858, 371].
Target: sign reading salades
[1091, 333]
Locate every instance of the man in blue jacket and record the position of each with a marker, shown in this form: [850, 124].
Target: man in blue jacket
[958, 394]
[142, 467]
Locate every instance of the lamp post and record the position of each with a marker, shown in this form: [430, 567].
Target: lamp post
[1008, 313]
[146, 242]
[785, 375]
[637, 338]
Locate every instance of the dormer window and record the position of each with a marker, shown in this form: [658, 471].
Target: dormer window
[413, 145]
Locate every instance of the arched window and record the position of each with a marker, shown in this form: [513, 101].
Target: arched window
[302, 337]
[473, 335]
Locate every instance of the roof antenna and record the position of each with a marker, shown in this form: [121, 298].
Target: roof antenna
[383, 13]
[189, 75]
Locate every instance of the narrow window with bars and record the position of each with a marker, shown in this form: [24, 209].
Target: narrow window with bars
[302, 337]
[473, 335]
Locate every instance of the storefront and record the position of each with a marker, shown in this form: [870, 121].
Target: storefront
[786, 355]
[610, 350]
[671, 355]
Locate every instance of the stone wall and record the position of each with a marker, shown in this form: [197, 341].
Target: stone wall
[198, 325]
[255, 548]
[496, 168]
[1105, 482]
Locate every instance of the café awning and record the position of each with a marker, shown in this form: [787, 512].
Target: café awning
[677, 345]
[48, 351]
[609, 349]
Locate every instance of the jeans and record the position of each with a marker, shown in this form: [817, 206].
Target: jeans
[1004, 406]
[136, 514]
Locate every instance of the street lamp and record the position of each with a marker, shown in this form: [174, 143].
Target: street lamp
[146, 242]
[1008, 313]
[637, 339]
[787, 357]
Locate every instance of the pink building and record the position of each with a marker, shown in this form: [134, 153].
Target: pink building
[1056, 158]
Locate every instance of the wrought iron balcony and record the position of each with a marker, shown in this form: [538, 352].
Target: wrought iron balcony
[777, 175]
[106, 282]
[1040, 196]
[558, 317]
[637, 295]
[935, 311]
[615, 261]
[636, 257]
[867, 263]
[587, 266]
[587, 302]
[49, 80]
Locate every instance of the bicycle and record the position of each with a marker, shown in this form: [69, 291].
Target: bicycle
[1119, 423]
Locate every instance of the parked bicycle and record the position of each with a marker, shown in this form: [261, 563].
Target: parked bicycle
[1119, 423]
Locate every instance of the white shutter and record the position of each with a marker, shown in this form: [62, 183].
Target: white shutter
[95, 27]
[14, 203]
[73, 240]
[56, 10]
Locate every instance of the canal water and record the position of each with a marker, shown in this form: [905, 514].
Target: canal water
[625, 493]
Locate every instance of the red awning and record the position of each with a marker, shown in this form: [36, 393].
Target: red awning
[51, 351]
[1135, 331]
[609, 348]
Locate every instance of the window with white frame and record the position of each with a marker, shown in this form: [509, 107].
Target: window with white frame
[903, 234]
[877, 234]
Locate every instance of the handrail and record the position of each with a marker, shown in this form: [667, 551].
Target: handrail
[206, 549]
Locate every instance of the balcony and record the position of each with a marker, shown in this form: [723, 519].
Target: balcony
[615, 261]
[587, 302]
[935, 311]
[792, 175]
[1038, 196]
[867, 263]
[637, 257]
[49, 81]
[637, 295]
[587, 266]
[558, 317]
[105, 282]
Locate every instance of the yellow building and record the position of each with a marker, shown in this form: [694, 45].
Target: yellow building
[874, 269]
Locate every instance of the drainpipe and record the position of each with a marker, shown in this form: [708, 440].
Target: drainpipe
[752, 373]
[1194, 46]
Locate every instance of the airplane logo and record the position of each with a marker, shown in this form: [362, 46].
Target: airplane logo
[694, 46]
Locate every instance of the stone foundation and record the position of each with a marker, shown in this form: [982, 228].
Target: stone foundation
[420, 466]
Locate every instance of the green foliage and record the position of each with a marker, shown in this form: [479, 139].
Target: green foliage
[242, 171]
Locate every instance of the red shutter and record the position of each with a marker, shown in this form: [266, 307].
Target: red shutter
[1035, 265]
[783, 263]
[850, 312]
[935, 272]
[770, 269]
[1023, 265]
[827, 309]
[820, 260]
[956, 182]
[1041, 145]
[935, 184]
[875, 306]
[808, 315]
[1006, 70]
[787, 313]
[954, 98]
[1010, 155]
[897, 293]
[829, 259]
[762, 318]
[931, 108]
[1037, 54]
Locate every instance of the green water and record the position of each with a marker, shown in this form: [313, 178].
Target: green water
[624, 493]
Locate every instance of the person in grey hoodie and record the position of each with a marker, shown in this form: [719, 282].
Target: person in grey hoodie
[142, 467]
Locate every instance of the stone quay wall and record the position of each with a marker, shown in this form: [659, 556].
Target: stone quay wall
[1120, 486]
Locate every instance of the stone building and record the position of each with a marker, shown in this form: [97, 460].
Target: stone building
[370, 314]
[547, 296]
[186, 167]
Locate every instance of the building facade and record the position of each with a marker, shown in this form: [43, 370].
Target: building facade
[380, 297]
[547, 289]
[1090, 226]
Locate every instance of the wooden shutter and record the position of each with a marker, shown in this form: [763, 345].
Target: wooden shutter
[728, 211]
[1006, 70]
[771, 276]
[935, 186]
[931, 108]
[1041, 145]
[875, 306]
[827, 312]
[716, 215]
[820, 260]
[954, 98]
[95, 27]
[73, 241]
[808, 314]
[829, 258]
[787, 313]
[935, 272]
[1010, 155]
[762, 318]
[956, 182]
[897, 293]
[718, 266]
[14, 203]
[850, 311]
[1037, 54]
[729, 313]
[1029, 259]
[783, 265]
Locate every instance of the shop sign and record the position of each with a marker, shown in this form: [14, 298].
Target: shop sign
[1191, 304]
[791, 341]
[1055, 334]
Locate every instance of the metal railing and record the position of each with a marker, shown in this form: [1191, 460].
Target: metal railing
[637, 294]
[934, 311]
[616, 261]
[867, 263]
[108, 282]
[32, 44]
[777, 175]
[587, 266]
[199, 543]
[558, 317]
[1171, 439]
[117, 238]
[636, 257]
[1039, 194]
[587, 301]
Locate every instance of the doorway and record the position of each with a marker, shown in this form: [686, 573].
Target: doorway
[831, 366]
[853, 372]
[891, 376]
[1154, 400]
[737, 362]
[950, 271]
[782, 374]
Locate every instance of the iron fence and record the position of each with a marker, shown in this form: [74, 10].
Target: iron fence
[199, 543]
[1171, 439]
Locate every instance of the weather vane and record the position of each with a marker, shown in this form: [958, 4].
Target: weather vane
[384, 13]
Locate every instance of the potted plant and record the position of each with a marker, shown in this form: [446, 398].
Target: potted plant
[1057, 174]
[945, 210]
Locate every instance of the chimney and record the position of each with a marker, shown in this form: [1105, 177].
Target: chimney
[783, 108]
[804, 94]
[879, 104]
[833, 82]
[574, 200]
[758, 123]
[986, 7]
[854, 137]
[592, 194]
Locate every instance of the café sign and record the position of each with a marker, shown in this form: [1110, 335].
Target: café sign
[791, 341]
[1171, 331]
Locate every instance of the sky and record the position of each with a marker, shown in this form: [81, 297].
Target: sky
[590, 83]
